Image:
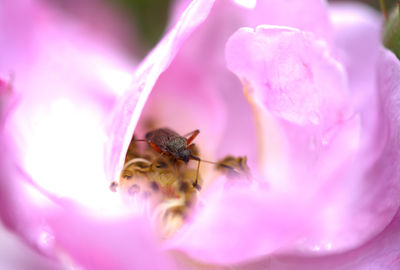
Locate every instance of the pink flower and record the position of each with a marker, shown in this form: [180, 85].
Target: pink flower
[318, 122]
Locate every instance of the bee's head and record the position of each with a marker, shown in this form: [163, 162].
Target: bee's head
[185, 155]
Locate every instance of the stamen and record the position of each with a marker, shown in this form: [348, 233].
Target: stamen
[136, 160]
[234, 167]
[165, 186]
[163, 214]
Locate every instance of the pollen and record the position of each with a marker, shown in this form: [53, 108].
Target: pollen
[163, 184]
[234, 167]
[167, 185]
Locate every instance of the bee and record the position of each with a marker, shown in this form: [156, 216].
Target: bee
[170, 143]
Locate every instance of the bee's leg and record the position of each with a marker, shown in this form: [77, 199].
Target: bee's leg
[196, 181]
[155, 147]
[193, 134]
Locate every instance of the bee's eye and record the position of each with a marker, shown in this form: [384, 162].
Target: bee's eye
[185, 155]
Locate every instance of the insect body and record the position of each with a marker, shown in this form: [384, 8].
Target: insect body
[170, 143]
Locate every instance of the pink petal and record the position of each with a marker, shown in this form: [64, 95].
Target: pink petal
[3, 85]
[333, 162]
[8, 99]
[357, 36]
[357, 30]
[203, 53]
[184, 100]
[308, 15]
[226, 17]
[289, 71]
[117, 23]
[128, 112]
[77, 237]
[71, 234]
[68, 81]
[334, 203]
[382, 252]
[317, 162]
[243, 223]
[107, 243]
[17, 256]
[292, 76]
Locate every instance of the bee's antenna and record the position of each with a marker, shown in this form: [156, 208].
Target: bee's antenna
[217, 163]
[195, 184]
[211, 162]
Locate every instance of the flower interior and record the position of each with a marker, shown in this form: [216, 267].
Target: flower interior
[166, 185]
